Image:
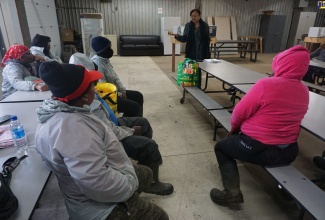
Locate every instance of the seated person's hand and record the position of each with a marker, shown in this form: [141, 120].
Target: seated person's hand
[39, 58]
[233, 131]
[124, 95]
[137, 130]
[41, 87]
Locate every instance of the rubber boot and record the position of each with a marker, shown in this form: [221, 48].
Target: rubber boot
[140, 112]
[158, 187]
[230, 180]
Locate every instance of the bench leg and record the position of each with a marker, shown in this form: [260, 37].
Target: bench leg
[216, 124]
[251, 56]
[245, 55]
[183, 98]
[241, 54]
[206, 81]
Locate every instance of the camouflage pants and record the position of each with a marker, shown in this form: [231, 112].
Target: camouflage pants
[135, 207]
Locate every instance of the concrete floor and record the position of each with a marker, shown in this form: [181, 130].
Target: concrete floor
[184, 134]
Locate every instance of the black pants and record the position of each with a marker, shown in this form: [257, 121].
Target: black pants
[131, 105]
[146, 129]
[240, 146]
[140, 147]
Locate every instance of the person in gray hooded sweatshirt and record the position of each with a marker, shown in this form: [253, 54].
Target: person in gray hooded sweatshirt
[130, 102]
[96, 177]
[135, 134]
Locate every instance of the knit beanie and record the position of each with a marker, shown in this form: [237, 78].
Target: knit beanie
[67, 81]
[41, 40]
[100, 44]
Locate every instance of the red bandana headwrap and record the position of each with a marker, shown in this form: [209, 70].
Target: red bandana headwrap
[14, 53]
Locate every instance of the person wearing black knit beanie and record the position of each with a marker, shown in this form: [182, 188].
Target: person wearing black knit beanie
[41, 45]
[129, 102]
[97, 178]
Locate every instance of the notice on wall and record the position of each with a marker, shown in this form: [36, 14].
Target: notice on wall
[91, 27]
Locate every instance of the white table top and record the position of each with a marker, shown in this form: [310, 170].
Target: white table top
[317, 63]
[314, 120]
[230, 73]
[27, 96]
[244, 88]
[26, 113]
[27, 181]
[29, 178]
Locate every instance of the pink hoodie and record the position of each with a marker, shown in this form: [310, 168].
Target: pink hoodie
[271, 112]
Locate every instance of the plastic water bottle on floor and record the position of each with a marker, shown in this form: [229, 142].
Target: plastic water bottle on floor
[18, 135]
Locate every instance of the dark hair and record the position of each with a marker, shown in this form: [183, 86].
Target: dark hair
[197, 10]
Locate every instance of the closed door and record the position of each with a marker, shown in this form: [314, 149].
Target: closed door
[277, 28]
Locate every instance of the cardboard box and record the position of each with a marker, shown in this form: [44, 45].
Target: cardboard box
[316, 32]
[67, 34]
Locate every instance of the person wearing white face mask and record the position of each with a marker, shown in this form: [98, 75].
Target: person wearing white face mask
[19, 64]
[135, 134]
[129, 102]
[97, 179]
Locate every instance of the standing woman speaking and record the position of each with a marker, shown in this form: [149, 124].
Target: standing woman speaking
[197, 38]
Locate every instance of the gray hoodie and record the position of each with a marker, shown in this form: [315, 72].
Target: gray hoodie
[92, 168]
[106, 68]
[14, 74]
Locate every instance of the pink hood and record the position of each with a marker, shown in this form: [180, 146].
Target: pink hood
[292, 63]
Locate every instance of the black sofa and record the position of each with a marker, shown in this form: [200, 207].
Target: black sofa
[141, 45]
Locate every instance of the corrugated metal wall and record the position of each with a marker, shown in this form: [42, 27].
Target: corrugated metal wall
[320, 17]
[141, 16]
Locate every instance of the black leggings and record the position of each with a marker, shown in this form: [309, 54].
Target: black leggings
[130, 107]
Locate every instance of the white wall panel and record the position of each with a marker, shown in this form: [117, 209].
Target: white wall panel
[9, 23]
[42, 19]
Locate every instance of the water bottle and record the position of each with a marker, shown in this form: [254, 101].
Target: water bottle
[18, 134]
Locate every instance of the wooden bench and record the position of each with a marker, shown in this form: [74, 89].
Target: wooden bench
[258, 39]
[307, 195]
[241, 51]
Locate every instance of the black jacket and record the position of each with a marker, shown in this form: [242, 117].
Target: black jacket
[191, 41]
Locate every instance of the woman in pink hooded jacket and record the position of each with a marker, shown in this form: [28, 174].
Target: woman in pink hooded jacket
[265, 123]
